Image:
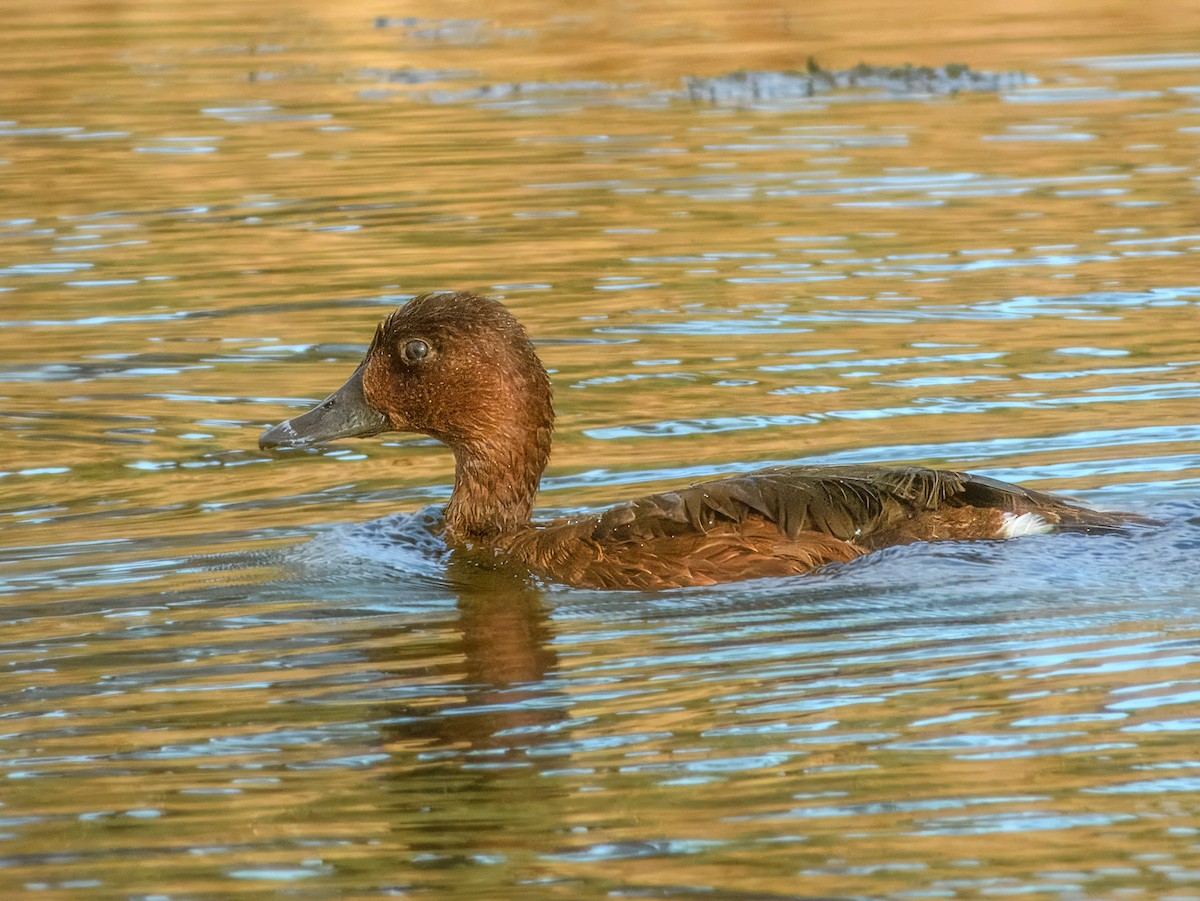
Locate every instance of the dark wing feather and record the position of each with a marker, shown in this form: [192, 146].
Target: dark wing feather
[844, 502]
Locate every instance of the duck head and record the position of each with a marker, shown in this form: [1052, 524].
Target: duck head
[460, 368]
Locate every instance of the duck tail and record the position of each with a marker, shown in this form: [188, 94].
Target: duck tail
[1071, 518]
[1055, 513]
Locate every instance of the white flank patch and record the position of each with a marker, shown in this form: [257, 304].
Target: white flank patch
[1014, 525]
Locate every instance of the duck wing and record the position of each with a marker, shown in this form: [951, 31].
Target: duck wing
[789, 520]
[871, 506]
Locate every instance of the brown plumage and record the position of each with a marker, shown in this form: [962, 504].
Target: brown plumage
[460, 368]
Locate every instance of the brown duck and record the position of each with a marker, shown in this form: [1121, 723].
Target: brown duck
[460, 368]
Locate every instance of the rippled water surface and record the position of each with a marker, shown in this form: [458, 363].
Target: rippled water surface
[235, 676]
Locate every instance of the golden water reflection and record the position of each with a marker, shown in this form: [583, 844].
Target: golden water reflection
[233, 676]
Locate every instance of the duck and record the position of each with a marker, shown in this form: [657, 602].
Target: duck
[460, 368]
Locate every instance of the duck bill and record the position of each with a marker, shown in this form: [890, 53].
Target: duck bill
[344, 414]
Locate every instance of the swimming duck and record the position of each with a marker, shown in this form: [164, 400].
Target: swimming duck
[459, 367]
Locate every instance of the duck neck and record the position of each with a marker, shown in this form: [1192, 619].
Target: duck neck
[494, 486]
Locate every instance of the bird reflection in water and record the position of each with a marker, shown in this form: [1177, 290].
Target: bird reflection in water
[506, 645]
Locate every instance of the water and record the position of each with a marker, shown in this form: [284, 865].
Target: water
[230, 676]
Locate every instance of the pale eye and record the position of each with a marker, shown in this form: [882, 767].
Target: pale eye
[414, 351]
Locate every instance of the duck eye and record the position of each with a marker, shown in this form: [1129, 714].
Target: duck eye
[414, 351]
